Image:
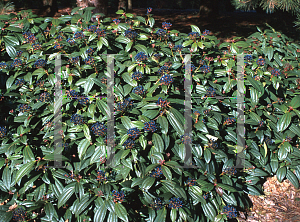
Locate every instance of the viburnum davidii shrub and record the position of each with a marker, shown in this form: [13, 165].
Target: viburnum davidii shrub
[149, 181]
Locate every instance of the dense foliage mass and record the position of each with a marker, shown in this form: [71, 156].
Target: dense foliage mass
[147, 183]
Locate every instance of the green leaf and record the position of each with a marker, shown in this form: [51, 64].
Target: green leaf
[126, 122]
[173, 215]
[295, 129]
[257, 85]
[121, 212]
[161, 215]
[195, 29]
[65, 196]
[295, 103]
[82, 147]
[207, 155]
[175, 123]
[100, 213]
[11, 51]
[284, 122]
[24, 169]
[141, 48]
[151, 22]
[227, 187]
[158, 142]
[148, 182]
[10, 41]
[86, 131]
[10, 81]
[123, 39]
[281, 173]
[163, 122]
[292, 178]
[166, 172]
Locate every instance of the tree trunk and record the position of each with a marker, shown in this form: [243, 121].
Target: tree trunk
[49, 7]
[101, 5]
[122, 5]
[129, 5]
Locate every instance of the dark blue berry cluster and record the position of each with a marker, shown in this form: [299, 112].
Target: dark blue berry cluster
[248, 58]
[157, 172]
[212, 144]
[77, 119]
[203, 121]
[139, 90]
[44, 97]
[205, 112]
[141, 57]
[3, 65]
[74, 59]
[230, 212]
[118, 196]
[101, 176]
[193, 35]
[121, 106]
[72, 176]
[162, 102]
[261, 123]
[40, 83]
[65, 146]
[29, 37]
[192, 67]
[79, 35]
[229, 120]
[20, 82]
[166, 79]
[57, 45]
[197, 113]
[24, 108]
[275, 72]
[268, 141]
[130, 34]
[190, 182]
[40, 63]
[133, 132]
[116, 21]
[84, 101]
[206, 32]
[210, 92]
[99, 129]
[288, 139]
[59, 38]
[19, 214]
[163, 70]
[71, 41]
[16, 63]
[205, 69]
[90, 51]
[175, 203]
[3, 131]
[230, 171]
[19, 53]
[36, 46]
[161, 32]
[72, 93]
[129, 143]
[137, 75]
[150, 126]
[92, 28]
[185, 139]
[89, 60]
[149, 10]
[201, 62]
[280, 100]
[157, 204]
[100, 32]
[205, 196]
[260, 62]
[166, 25]
[178, 48]
[103, 80]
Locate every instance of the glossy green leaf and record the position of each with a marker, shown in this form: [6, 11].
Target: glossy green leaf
[121, 212]
[24, 170]
[284, 122]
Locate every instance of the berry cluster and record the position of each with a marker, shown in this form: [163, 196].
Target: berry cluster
[40, 63]
[118, 196]
[210, 92]
[162, 70]
[178, 48]
[280, 100]
[166, 25]
[137, 75]
[79, 35]
[89, 60]
[149, 10]
[71, 41]
[121, 106]
[157, 204]
[65, 146]
[59, 38]
[20, 82]
[44, 97]
[206, 32]
[19, 53]
[205, 196]
[101, 176]
[141, 57]
[175, 203]
[230, 171]
[3, 65]
[36, 46]
[166, 79]
[103, 80]
[229, 120]
[192, 67]
[99, 129]
[230, 212]
[133, 132]
[74, 59]
[260, 62]
[84, 101]
[275, 72]
[260, 123]
[19, 215]
[203, 121]
[201, 62]
[162, 102]
[3, 131]
[72, 93]
[130, 34]
[212, 144]
[57, 45]
[129, 143]
[116, 21]
[197, 113]
[92, 28]
[100, 32]
[29, 37]
[138, 90]
[16, 63]
[161, 32]
[268, 141]
[248, 58]
[288, 139]
[185, 139]
[77, 119]
[72, 176]
[24, 108]
[156, 173]
[190, 182]
[193, 35]
[90, 50]
[205, 112]
[150, 126]
[205, 69]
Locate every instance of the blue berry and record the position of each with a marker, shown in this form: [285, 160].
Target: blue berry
[72, 94]
[99, 129]
[280, 100]
[118, 196]
[193, 35]
[163, 70]
[288, 139]
[101, 176]
[39, 63]
[275, 72]
[100, 32]
[36, 46]
[90, 50]
[130, 34]
[16, 63]
[59, 38]
[161, 32]
[133, 132]
[156, 56]
[89, 60]
[57, 45]
[65, 145]
[121, 106]
[197, 113]
[205, 69]
[84, 101]
[3, 131]
[157, 204]
[71, 41]
[116, 21]
[210, 92]
[141, 57]
[205, 112]
[230, 211]
[162, 102]
[212, 144]
[19, 215]
[3, 65]
[201, 62]
[175, 203]
[166, 79]
[77, 119]
[92, 28]
[103, 80]
[166, 25]
[24, 108]
[149, 10]
[260, 123]
[139, 90]
[268, 141]
[248, 58]
[19, 53]
[229, 121]
[29, 37]
[178, 48]
[44, 97]
[156, 173]
[260, 62]
[137, 75]
[206, 32]
[205, 196]
[190, 182]
[20, 82]
[150, 126]
[129, 143]
[40, 83]
[230, 171]
[79, 35]
[74, 59]
[192, 67]
[185, 139]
